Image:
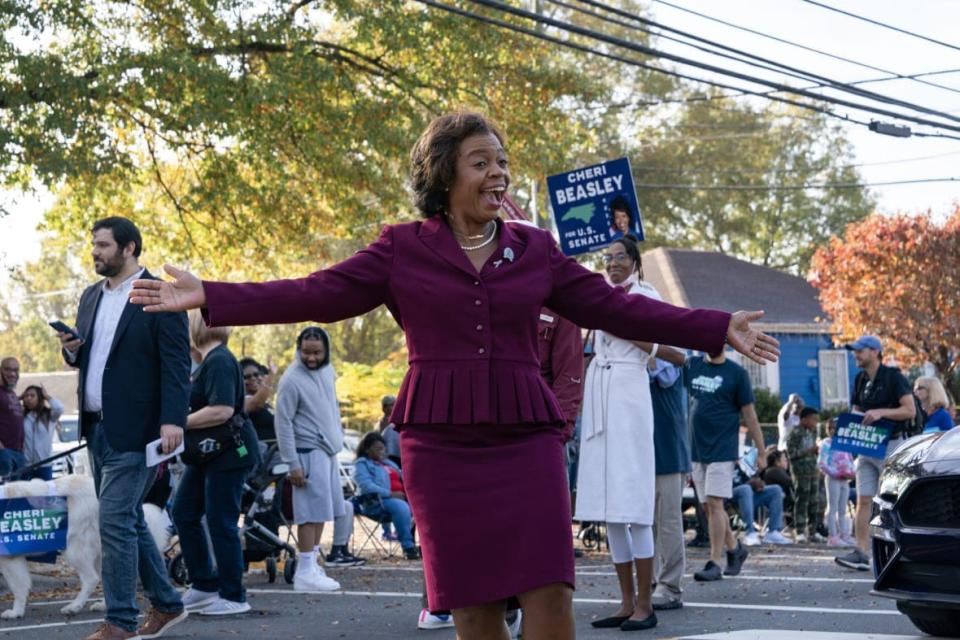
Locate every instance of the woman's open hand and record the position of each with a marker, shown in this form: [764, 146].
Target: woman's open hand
[752, 343]
[183, 294]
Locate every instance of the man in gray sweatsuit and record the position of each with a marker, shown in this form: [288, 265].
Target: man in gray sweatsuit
[309, 436]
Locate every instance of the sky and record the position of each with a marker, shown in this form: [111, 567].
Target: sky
[886, 158]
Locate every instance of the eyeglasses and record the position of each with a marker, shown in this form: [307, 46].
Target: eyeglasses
[617, 257]
[250, 376]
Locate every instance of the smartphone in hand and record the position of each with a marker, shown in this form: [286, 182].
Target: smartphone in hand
[64, 328]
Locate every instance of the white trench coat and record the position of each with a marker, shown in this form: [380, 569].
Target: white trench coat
[616, 481]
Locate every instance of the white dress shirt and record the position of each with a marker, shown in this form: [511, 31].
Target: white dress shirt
[112, 303]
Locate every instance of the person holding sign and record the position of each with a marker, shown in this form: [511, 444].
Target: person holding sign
[879, 393]
[481, 432]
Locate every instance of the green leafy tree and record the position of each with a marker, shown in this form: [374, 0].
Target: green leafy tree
[720, 148]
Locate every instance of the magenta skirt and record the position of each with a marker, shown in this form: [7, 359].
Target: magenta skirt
[492, 509]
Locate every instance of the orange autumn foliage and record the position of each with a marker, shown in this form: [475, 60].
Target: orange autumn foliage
[897, 277]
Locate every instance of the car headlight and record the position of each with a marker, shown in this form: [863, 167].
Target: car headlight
[893, 482]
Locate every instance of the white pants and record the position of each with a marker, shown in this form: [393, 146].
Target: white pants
[629, 542]
[838, 494]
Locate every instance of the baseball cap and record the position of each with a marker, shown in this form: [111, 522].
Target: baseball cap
[865, 342]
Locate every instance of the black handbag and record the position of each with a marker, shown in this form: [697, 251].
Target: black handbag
[200, 446]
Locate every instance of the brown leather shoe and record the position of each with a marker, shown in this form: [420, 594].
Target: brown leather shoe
[107, 631]
[157, 623]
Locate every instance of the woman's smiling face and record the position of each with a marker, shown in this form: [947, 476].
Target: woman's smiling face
[619, 264]
[481, 179]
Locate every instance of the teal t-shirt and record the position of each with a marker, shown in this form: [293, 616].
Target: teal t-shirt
[717, 393]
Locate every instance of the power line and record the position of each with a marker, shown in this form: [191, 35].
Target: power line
[829, 82]
[883, 24]
[748, 170]
[619, 42]
[791, 187]
[611, 56]
[896, 76]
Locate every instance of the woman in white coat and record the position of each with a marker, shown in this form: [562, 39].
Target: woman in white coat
[616, 482]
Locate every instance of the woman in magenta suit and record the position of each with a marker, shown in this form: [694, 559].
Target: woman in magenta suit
[480, 430]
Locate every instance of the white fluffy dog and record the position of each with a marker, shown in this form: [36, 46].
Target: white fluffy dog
[83, 540]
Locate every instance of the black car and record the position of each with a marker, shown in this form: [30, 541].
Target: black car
[916, 532]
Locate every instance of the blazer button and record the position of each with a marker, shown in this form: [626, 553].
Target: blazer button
[481, 350]
[476, 283]
[479, 327]
[477, 302]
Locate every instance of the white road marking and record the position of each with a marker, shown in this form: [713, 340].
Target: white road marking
[591, 572]
[780, 634]
[702, 605]
[404, 594]
[769, 578]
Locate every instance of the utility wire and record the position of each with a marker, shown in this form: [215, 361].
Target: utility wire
[748, 170]
[896, 76]
[610, 56]
[791, 187]
[883, 24]
[629, 61]
[834, 84]
[619, 42]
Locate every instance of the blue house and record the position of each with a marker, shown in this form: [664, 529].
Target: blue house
[810, 364]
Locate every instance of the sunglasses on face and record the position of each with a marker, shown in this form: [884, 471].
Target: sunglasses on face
[920, 389]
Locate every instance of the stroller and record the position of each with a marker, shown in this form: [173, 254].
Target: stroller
[261, 509]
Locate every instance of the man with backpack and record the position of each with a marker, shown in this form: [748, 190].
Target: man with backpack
[880, 393]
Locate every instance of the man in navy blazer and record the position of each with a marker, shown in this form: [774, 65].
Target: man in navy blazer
[133, 388]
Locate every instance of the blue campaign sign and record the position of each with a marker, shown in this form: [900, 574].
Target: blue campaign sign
[595, 205]
[857, 438]
[33, 525]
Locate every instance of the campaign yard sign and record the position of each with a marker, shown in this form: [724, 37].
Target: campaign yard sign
[864, 439]
[33, 525]
[595, 205]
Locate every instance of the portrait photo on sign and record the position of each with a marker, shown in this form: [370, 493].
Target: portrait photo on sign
[622, 218]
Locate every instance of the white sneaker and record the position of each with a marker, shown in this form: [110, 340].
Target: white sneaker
[222, 607]
[751, 539]
[310, 580]
[515, 626]
[195, 599]
[775, 537]
[429, 621]
[799, 538]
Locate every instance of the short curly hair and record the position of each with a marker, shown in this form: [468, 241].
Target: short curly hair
[433, 159]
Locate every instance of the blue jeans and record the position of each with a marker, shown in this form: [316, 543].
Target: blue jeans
[216, 495]
[10, 461]
[749, 501]
[123, 479]
[399, 513]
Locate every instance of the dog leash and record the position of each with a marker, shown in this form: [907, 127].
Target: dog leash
[42, 463]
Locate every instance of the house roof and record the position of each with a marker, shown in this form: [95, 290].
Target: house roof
[692, 279]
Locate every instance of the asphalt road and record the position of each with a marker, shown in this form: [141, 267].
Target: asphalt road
[797, 589]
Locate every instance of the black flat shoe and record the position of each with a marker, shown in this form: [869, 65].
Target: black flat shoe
[639, 625]
[609, 623]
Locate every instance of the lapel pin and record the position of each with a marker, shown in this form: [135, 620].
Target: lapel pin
[497, 263]
[508, 254]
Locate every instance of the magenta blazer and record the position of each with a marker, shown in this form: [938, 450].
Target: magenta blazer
[472, 337]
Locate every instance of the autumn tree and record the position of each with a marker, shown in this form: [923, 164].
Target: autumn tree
[897, 277]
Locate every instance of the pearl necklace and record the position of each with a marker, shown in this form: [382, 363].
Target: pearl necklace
[482, 244]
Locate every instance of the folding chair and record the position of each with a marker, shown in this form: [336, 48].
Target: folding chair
[366, 533]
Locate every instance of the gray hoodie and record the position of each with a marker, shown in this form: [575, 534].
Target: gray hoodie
[307, 414]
